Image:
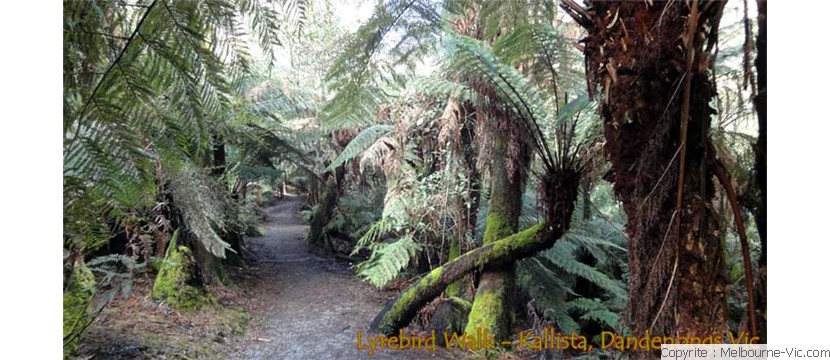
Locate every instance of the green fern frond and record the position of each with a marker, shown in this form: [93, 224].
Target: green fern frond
[366, 73]
[554, 259]
[562, 319]
[522, 97]
[363, 141]
[387, 260]
[603, 316]
[144, 82]
[441, 88]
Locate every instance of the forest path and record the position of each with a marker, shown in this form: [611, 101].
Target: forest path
[304, 306]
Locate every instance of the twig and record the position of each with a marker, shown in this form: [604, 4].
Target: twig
[577, 13]
[668, 291]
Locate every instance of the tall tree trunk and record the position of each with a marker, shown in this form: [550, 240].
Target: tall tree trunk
[761, 168]
[637, 53]
[492, 309]
[219, 162]
[501, 142]
[317, 235]
[234, 238]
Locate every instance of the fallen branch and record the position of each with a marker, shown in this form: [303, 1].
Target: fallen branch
[401, 310]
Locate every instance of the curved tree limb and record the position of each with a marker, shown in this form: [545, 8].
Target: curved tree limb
[725, 180]
[401, 310]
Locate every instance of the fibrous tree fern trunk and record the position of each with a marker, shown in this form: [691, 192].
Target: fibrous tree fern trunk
[502, 147]
[656, 112]
[234, 238]
[458, 131]
[317, 235]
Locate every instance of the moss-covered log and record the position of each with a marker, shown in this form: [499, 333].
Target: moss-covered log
[400, 311]
[453, 290]
[492, 306]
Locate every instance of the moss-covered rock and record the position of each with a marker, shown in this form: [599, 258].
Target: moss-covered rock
[77, 298]
[450, 317]
[177, 282]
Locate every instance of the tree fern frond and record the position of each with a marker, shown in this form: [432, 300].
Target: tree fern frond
[362, 77]
[554, 259]
[523, 98]
[363, 141]
[387, 260]
[441, 88]
[204, 207]
[142, 80]
[377, 152]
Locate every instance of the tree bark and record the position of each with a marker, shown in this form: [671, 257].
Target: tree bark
[469, 216]
[761, 169]
[219, 162]
[659, 154]
[492, 309]
[317, 235]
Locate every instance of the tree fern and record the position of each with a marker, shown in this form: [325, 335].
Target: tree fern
[144, 82]
[441, 88]
[594, 310]
[557, 260]
[362, 76]
[551, 277]
[522, 97]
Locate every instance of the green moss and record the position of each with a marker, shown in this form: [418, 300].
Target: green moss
[497, 228]
[392, 315]
[235, 319]
[461, 302]
[449, 317]
[175, 281]
[407, 298]
[76, 301]
[512, 242]
[486, 312]
[461, 311]
[455, 251]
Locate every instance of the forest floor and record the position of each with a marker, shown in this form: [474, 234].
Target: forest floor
[289, 304]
